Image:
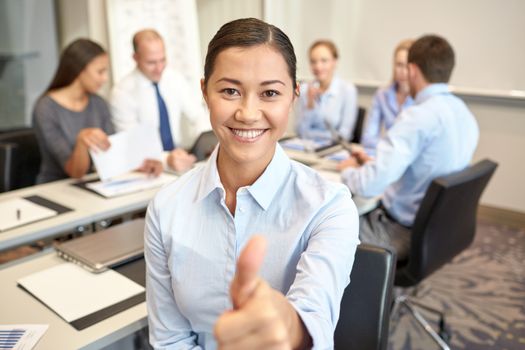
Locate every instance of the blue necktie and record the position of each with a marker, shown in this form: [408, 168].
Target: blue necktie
[165, 131]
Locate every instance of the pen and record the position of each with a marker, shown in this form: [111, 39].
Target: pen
[18, 214]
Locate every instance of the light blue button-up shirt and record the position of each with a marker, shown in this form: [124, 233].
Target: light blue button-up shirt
[337, 105]
[434, 137]
[192, 243]
[383, 112]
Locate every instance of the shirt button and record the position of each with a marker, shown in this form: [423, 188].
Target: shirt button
[241, 209]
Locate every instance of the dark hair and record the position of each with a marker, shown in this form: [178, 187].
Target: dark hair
[75, 57]
[326, 43]
[248, 32]
[434, 56]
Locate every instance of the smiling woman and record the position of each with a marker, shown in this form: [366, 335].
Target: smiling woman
[211, 280]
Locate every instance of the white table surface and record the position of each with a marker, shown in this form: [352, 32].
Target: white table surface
[87, 206]
[18, 307]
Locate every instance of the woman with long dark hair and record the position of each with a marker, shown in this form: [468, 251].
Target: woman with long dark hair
[70, 118]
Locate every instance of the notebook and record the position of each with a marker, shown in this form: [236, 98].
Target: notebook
[106, 249]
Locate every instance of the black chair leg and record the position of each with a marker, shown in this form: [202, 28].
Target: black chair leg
[443, 337]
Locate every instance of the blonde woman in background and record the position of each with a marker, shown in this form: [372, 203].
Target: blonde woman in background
[328, 99]
[389, 101]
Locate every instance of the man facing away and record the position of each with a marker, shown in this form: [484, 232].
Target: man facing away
[157, 94]
[435, 137]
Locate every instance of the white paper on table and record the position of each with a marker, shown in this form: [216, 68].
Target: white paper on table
[28, 210]
[129, 183]
[305, 145]
[25, 335]
[73, 292]
[128, 151]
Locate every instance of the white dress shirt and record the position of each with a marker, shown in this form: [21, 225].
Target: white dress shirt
[192, 243]
[134, 100]
[435, 137]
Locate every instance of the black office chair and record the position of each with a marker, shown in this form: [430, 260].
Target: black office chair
[204, 145]
[365, 309]
[359, 123]
[19, 159]
[444, 226]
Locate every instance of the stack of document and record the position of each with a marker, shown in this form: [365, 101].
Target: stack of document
[304, 145]
[20, 211]
[129, 183]
[21, 336]
[128, 151]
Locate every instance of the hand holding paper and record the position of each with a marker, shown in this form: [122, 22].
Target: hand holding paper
[128, 151]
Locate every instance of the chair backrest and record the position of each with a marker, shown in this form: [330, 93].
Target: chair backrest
[19, 159]
[445, 223]
[358, 129]
[204, 145]
[365, 308]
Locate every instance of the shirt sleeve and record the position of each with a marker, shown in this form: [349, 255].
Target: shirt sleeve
[168, 328]
[50, 134]
[124, 110]
[306, 117]
[372, 129]
[395, 153]
[193, 109]
[348, 112]
[323, 271]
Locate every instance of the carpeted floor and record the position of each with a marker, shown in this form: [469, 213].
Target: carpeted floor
[483, 293]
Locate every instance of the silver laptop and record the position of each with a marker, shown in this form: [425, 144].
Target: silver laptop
[105, 249]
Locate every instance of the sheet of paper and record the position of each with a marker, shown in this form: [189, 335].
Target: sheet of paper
[73, 292]
[338, 155]
[129, 183]
[20, 211]
[299, 144]
[21, 336]
[127, 151]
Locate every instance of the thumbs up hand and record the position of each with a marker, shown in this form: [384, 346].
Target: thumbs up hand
[262, 317]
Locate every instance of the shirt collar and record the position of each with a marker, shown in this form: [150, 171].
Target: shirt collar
[431, 90]
[263, 190]
[145, 80]
[333, 89]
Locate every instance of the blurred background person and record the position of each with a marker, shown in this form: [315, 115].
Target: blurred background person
[389, 101]
[328, 99]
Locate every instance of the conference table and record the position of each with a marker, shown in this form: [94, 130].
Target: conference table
[18, 307]
[87, 208]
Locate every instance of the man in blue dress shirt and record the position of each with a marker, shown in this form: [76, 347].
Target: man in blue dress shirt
[434, 137]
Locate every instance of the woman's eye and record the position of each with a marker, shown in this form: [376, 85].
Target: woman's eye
[230, 92]
[270, 93]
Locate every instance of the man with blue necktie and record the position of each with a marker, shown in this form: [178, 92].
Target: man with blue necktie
[434, 137]
[155, 93]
